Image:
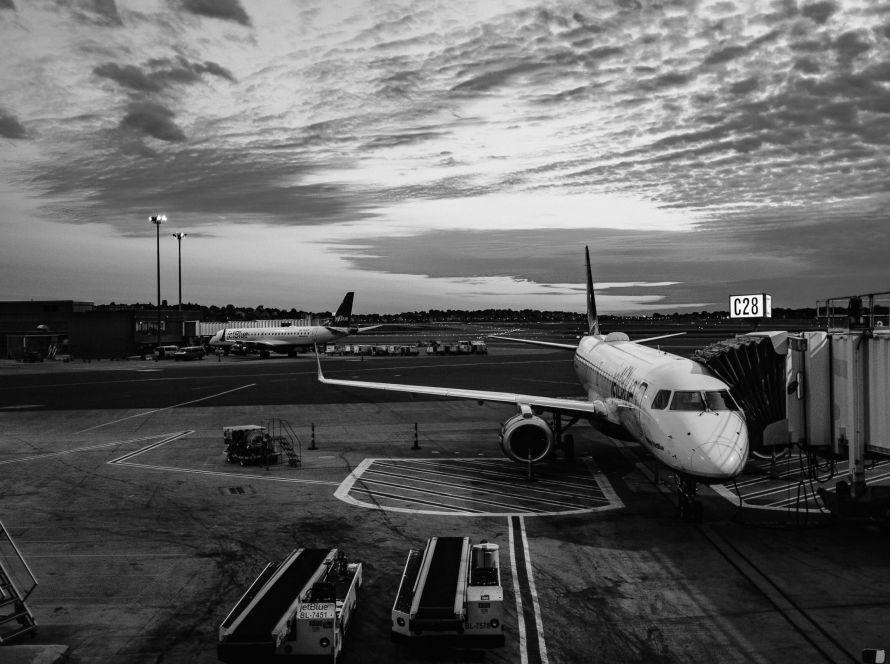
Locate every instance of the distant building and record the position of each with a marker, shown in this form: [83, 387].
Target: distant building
[36, 325]
[51, 327]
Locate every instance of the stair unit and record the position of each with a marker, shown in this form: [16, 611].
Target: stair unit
[16, 619]
[284, 436]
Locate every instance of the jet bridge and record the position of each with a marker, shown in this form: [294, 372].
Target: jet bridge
[827, 391]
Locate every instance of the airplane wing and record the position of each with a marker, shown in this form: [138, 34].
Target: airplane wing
[551, 344]
[562, 404]
[662, 336]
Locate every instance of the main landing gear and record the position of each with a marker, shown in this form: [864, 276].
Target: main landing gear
[688, 506]
[565, 443]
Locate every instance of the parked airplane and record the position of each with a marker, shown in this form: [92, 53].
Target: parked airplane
[290, 339]
[680, 413]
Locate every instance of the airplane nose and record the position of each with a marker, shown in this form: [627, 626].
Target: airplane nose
[720, 459]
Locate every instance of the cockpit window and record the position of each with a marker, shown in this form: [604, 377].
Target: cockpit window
[661, 399]
[700, 401]
[687, 401]
[720, 400]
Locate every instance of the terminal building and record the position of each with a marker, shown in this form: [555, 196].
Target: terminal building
[39, 329]
[33, 330]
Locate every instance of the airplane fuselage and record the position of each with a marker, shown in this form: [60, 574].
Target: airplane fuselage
[283, 338]
[671, 405]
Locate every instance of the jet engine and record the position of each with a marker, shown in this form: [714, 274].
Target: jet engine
[526, 437]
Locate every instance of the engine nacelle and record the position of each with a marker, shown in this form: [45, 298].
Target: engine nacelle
[526, 437]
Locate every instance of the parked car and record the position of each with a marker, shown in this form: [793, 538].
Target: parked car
[165, 352]
[190, 353]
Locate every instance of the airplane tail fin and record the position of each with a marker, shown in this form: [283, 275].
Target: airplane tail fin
[344, 311]
[593, 322]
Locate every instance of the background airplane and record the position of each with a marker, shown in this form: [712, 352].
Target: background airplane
[683, 415]
[290, 339]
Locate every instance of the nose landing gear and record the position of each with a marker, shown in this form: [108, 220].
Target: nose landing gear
[688, 506]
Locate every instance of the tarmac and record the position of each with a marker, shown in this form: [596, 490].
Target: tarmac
[142, 537]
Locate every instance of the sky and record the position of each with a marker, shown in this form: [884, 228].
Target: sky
[445, 155]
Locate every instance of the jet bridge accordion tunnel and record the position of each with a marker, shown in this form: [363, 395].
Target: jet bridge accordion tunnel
[755, 371]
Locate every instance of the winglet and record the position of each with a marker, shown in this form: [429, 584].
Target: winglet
[593, 323]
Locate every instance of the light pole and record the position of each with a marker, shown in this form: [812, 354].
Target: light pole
[179, 237]
[157, 220]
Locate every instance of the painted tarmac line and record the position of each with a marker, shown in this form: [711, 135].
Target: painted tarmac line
[88, 448]
[510, 472]
[349, 484]
[195, 471]
[504, 505]
[451, 509]
[160, 410]
[124, 461]
[539, 622]
[520, 614]
[486, 485]
[533, 648]
[168, 439]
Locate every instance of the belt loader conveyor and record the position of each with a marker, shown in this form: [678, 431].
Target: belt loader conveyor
[452, 590]
[296, 610]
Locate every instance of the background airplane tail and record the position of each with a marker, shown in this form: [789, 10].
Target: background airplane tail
[593, 322]
[344, 311]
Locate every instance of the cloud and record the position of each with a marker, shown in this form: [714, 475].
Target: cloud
[160, 73]
[208, 186]
[819, 12]
[725, 55]
[10, 127]
[7, 4]
[128, 76]
[154, 120]
[96, 12]
[226, 10]
[850, 45]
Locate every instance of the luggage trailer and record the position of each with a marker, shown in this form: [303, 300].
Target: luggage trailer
[451, 591]
[296, 610]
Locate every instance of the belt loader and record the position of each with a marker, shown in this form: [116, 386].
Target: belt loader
[296, 611]
[451, 591]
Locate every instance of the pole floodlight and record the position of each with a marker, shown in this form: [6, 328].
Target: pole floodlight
[179, 237]
[157, 220]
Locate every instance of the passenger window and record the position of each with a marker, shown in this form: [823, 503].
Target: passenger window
[661, 399]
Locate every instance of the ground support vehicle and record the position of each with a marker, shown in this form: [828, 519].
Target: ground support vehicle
[249, 445]
[190, 353]
[452, 592]
[165, 352]
[296, 611]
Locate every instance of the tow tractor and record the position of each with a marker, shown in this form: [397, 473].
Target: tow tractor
[295, 610]
[451, 591]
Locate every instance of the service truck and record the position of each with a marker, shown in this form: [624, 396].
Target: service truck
[451, 591]
[298, 610]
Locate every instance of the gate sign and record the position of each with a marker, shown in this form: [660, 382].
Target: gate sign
[751, 306]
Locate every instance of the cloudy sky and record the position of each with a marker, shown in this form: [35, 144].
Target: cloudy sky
[456, 154]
